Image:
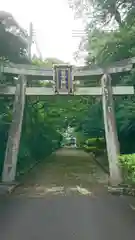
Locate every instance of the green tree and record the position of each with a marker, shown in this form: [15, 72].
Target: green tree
[14, 39]
[48, 62]
[102, 12]
[106, 43]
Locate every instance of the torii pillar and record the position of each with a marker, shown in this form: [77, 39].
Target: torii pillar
[12, 149]
[112, 142]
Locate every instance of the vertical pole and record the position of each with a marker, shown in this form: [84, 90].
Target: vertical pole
[12, 149]
[110, 130]
[30, 40]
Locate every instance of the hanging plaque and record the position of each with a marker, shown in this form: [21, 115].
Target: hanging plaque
[63, 79]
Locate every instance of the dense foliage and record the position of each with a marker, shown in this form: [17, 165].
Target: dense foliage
[127, 163]
[14, 39]
[110, 37]
[110, 40]
[43, 123]
[95, 145]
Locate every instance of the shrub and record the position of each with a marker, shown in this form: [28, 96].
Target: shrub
[95, 145]
[100, 142]
[90, 148]
[127, 163]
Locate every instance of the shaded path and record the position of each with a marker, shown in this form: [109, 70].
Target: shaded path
[65, 172]
[66, 216]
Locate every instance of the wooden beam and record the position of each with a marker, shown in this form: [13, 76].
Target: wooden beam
[12, 149]
[29, 72]
[95, 91]
[118, 90]
[110, 130]
[100, 71]
[92, 91]
[48, 73]
[119, 69]
[33, 70]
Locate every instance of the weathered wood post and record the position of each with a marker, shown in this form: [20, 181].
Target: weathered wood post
[12, 149]
[110, 130]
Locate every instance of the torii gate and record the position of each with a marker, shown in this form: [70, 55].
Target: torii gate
[64, 78]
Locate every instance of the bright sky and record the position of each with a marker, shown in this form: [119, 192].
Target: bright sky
[53, 22]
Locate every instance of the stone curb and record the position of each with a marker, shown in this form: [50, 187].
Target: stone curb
[120, 191]
[12, 188]
[132, 207]
[8, 189]
[124, 190]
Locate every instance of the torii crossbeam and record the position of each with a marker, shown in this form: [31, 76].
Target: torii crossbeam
[63, 77]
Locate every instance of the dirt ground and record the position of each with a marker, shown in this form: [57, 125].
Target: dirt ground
[68, 171]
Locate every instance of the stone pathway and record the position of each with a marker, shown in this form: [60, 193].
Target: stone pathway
[66, 172]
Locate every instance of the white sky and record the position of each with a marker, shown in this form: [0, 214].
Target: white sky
[53, 22]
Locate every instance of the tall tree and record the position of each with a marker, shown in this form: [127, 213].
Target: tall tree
[103, 11]
[14, 39]
[107, 45]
